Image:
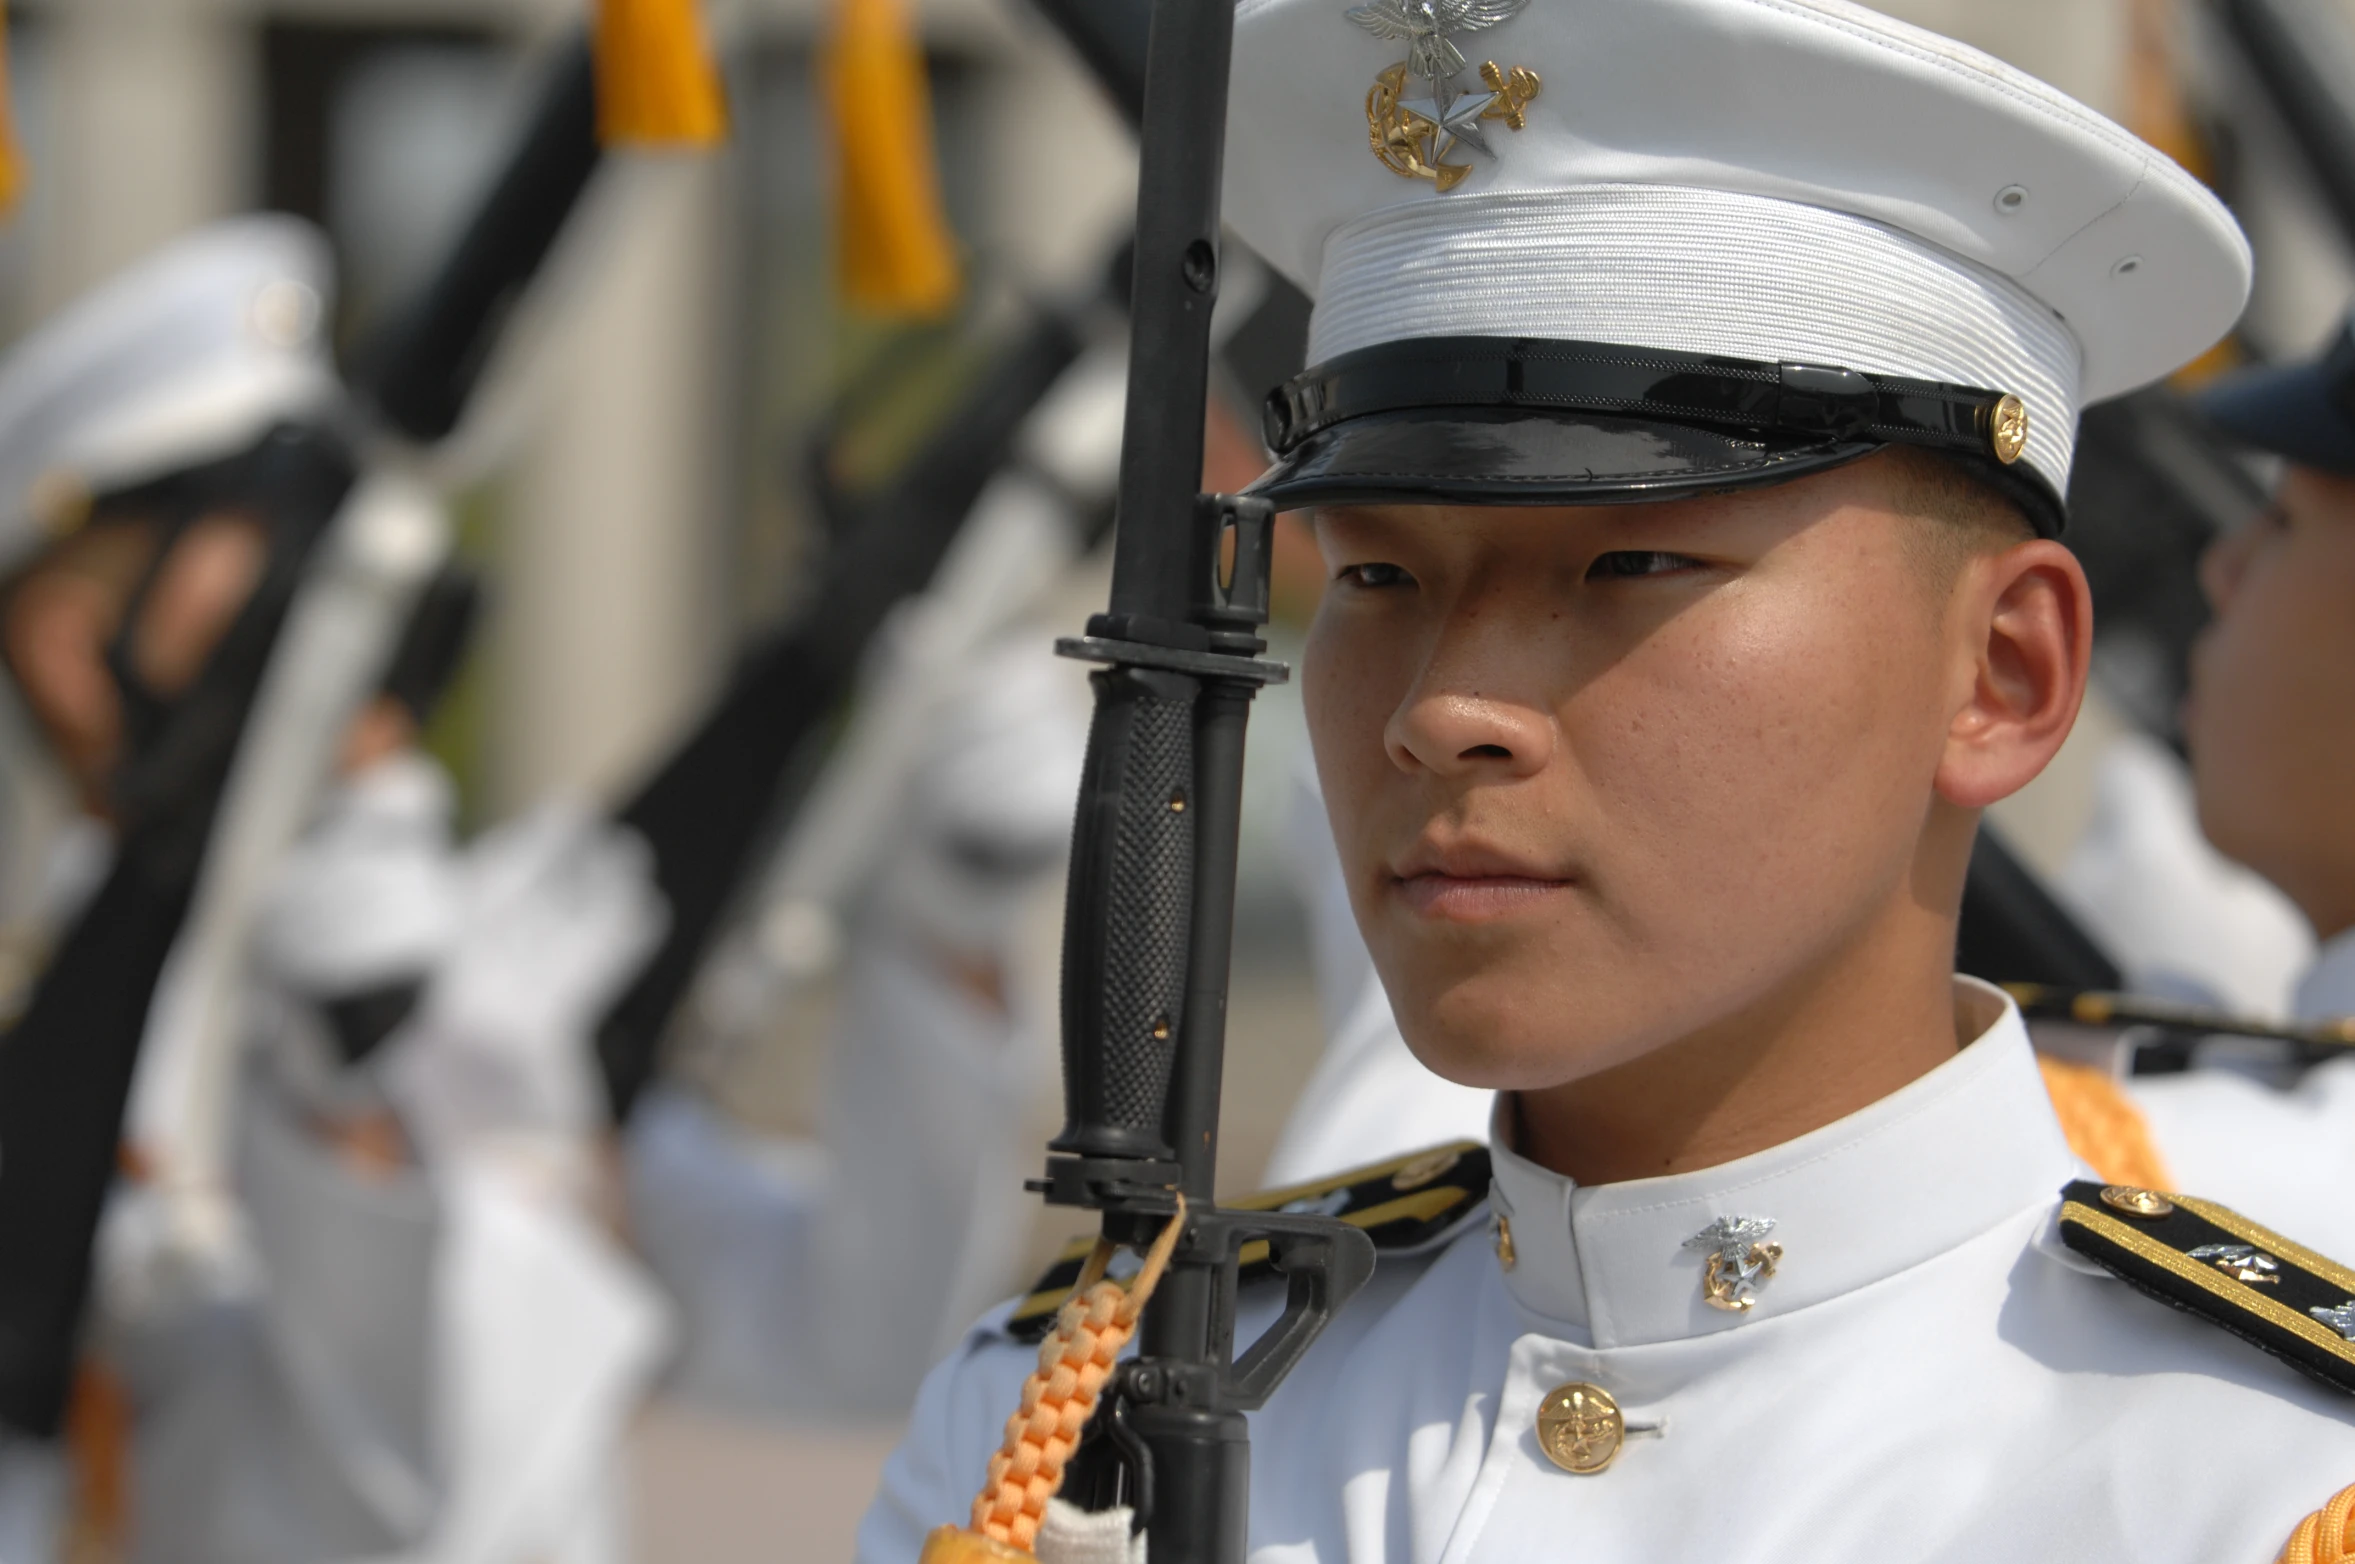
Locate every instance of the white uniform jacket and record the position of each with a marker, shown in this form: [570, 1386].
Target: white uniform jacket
[1928, 1375]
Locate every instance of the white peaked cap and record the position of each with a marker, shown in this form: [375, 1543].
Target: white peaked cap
[185, 356]
[1792, 181]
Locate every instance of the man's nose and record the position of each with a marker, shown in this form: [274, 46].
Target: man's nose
[1457, 732]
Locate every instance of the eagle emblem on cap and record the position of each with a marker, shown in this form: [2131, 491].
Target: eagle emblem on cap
[1427, 26]
[1416, 116]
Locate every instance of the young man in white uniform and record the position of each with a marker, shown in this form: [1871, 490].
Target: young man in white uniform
[1693, 386]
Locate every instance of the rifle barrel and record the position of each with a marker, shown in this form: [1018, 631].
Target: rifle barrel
[2103, 1008]
[419, 370]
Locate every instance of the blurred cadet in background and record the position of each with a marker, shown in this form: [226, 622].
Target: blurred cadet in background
[124, 575]
[2270, 723]
[351, 1300]
[2271, 718]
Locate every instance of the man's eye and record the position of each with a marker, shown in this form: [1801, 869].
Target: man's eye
[1375, 576]
[1621, 564]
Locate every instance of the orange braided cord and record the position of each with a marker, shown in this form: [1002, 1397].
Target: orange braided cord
[1057, 1401]
[1095, 1323]
[2325, 1536]
[2103, 1127]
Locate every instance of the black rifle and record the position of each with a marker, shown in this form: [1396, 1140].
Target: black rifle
[1149, 919]
[66, 1067]
[732, 780]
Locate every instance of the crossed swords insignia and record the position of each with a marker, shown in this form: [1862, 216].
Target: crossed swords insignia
[1414, 135]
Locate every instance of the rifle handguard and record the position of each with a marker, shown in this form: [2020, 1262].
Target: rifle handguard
[1130, 900]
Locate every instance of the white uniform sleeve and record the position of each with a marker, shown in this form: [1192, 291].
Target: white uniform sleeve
[960, 1418]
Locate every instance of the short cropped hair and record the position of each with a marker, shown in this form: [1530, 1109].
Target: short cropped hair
[1964, 515]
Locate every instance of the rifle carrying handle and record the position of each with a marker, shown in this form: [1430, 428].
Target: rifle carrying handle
[1130, 903]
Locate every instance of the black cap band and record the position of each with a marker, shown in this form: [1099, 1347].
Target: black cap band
[1797, 417]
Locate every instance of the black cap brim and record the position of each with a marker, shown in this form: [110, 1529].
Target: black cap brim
[1515, 421]
[1513, 456]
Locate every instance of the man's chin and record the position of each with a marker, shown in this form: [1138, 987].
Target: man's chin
[1526, 1041]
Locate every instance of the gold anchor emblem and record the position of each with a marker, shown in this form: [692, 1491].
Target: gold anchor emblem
[1740, 1261]
[1414, 136]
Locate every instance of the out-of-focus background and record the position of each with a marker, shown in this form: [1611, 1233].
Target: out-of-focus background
[635, 487]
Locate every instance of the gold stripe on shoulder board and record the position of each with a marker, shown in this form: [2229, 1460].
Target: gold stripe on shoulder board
[1402, 1195]
[2216, 1264]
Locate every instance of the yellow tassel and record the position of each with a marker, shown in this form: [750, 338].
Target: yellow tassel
[2102, 1124]
[892, 241]
[656, 84]
[12, 158]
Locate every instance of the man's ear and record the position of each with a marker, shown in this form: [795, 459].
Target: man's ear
[2022, 622]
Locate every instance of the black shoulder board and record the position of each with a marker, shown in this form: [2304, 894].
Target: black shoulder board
[1406, 1204]
[2219, 1265]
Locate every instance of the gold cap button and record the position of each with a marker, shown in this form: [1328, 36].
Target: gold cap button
[1504, 1241]
[1579, 1427]
[2007, 429]
[2146, 1203]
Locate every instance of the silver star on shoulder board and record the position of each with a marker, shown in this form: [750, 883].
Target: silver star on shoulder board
[1731, 1236]
[2340, 1319]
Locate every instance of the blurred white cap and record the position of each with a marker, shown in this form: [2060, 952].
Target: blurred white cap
[183, 357]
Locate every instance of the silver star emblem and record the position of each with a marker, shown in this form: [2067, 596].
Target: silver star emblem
[2241, 1262]
[2340, 1319]
[1457, 115]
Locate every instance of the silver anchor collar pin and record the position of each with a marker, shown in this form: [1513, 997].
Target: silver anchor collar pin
[1740, 1260]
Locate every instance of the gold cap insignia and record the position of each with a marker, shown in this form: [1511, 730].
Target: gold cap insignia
[2007, 429]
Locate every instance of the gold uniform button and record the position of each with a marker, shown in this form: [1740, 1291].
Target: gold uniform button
[2148, 1204]
[1579, 1427]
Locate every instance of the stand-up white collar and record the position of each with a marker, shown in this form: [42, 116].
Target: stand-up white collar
[1928, 1167]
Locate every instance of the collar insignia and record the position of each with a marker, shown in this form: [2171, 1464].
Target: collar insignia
[1740, 1260]
[1416, 116]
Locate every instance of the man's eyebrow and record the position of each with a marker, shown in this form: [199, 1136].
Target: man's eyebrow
[1378, 516]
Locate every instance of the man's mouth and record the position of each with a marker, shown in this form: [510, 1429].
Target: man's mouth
[1464, 883]
[1467, 898]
